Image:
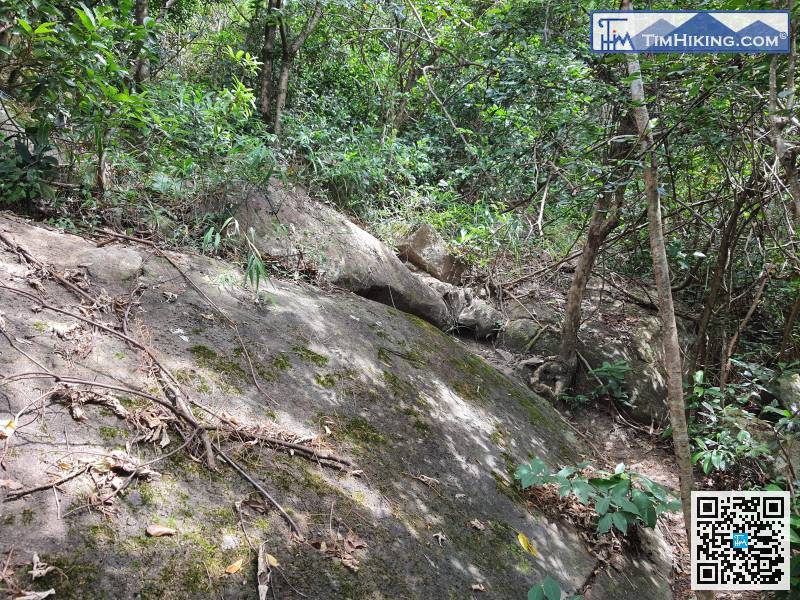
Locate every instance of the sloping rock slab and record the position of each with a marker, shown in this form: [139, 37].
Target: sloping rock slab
[435, 430]
[289, 224]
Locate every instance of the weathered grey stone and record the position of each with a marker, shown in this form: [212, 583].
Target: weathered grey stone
[787, 390]
[425, 248]
[481, 318]
[617, 333]
[104, 265]
[290, 225]
[542, 311]
[467, 311]
[527, 336]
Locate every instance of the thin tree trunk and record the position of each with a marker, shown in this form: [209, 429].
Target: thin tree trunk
[265, 91]
[140, 68]
[283, 90]
[414, 75]
[720, 267]
[666, 308]
[728, 350]
[558, 375]
[288, 52]
[604, 219]
[786, 156]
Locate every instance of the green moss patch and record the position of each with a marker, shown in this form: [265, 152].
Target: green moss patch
[281, 362]
[72, 579]
[412, 357]
[398, 387]
[326, 381]
[308, 355]
[359, 430]
[228, 374]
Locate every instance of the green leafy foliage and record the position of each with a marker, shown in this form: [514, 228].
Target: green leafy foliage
[548, 589]
[612, 376]
[621, 499]
[721, 424]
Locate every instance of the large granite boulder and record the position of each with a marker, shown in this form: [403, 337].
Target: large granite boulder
[290, 225]
[787, 389]
[425, 248]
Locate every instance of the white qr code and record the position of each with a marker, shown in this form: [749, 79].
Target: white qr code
[740, 540]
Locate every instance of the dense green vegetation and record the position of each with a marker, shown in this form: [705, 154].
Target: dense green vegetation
[489, 120]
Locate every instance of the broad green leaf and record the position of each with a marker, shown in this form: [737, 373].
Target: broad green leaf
[620, 522]
[552, 589]
[566, 472]
[627, 505]
[604, 524]
[603, 505]
[85, 20]
[44, 28]
[582, 491]
[536, 592]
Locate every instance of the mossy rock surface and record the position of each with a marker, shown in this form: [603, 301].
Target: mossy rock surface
[433, 428]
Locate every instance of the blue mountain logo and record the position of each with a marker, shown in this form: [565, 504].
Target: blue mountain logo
[637, 31]
[659, 28]
[757, 28]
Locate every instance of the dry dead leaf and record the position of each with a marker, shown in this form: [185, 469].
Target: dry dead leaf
[264, 573]
[272, 561]
[353, 542]
[255, 504]
[39, 568]
[160, 531]
[36, 595]
[478, 587]
[164, 438]
[526, 544]
[234, 567]
[351, 563]
[477, 524]
[7, 428]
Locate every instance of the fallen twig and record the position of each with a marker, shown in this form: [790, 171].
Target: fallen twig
[256, 435]
[16, 248]
[17, 495]
[258, 487]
